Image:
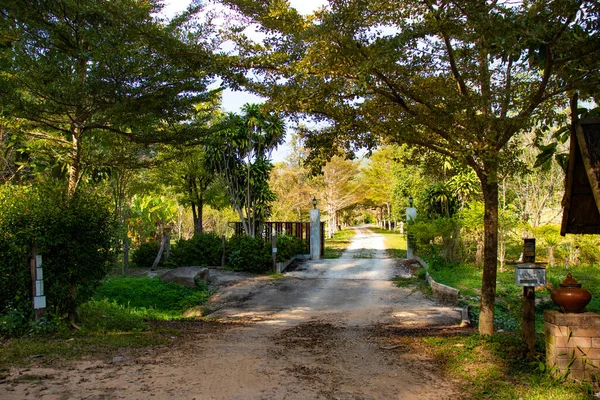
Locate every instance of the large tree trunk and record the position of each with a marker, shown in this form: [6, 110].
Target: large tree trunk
[74, 172]
[489, 183]
[197, 217]
[75, 167]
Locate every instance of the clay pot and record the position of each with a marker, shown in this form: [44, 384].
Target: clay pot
[570, 297]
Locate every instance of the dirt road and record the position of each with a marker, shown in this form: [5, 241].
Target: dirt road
[331, 329]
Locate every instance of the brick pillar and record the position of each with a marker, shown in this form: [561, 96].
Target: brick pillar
[573, 344]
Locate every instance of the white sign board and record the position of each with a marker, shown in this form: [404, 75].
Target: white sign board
[39, 302]
[530, 274]
[39, 288]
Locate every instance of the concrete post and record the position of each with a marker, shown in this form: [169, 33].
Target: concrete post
[315, 234]
[411, 215]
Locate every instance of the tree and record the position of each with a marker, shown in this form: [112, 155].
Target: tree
[461, 78]
[338, 189]
[378, 179]
[77, 68]
[291, 185]
[241, 156]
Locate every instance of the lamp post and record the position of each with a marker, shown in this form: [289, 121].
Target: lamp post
[315, 231]
[411, 215]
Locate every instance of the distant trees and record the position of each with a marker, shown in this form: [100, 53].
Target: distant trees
[338, 189]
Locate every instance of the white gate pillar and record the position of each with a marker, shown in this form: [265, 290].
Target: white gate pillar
[315, 232]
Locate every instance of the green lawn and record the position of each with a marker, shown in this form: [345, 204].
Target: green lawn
[467, 279]
[494, 367]
[125, 312]
[341, 240]
[395, 243]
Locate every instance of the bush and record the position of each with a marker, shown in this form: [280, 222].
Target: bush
[109, 316]
[245, 253]
[15, 323]
[145, 254]
[288, 247]
[150, 293]
[201, 250]
[75, 236]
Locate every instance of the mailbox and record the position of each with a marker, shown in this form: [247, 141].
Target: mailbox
[530, 274]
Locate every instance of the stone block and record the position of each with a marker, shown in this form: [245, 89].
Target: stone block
[186, 276]
[584, 320]
[592, 365]
[572, 364]
[563, 341]
[593, 353]
[564, 353]
[585, 332]
[556, 330]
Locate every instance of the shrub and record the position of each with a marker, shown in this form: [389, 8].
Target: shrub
[203, 249]
[288, 247]
[245, 253]
[109, 316]
[16, 323]
[150, 293]
[75, 237]
[145, 254]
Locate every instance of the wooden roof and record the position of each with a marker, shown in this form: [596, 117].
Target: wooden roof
[581, 203]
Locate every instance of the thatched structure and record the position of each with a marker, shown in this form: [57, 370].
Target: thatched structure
[581, 203]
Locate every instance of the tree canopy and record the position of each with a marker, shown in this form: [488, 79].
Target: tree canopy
[72, 69]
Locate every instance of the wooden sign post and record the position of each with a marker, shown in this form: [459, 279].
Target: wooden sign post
[37, 285]
[529, 276]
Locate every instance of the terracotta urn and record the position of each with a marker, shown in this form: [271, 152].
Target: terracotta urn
[570, 297]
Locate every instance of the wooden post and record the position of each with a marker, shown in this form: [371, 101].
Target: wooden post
[529, 303]
[274, 250]
[223, 252]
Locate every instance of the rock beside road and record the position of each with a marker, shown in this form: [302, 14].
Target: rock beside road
[186, 276]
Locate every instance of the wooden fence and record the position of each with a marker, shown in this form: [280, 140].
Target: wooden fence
[301, 230]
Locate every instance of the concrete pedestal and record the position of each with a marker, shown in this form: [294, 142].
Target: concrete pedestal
[573, 344]
[411, 215]
[315, 234]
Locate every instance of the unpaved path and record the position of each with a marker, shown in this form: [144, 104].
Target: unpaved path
[332, 329]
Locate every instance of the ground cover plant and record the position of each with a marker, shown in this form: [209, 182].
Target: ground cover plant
[509, 303]
[492, 368]
[125, 312]
[335, 246]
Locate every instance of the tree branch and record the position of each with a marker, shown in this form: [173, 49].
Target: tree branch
[47, 137]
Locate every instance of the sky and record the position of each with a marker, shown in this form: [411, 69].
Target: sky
[232, 100]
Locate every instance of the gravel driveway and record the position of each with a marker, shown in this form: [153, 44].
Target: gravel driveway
[331, 329]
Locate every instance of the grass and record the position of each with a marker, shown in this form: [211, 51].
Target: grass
[467, 279]
[364, 253]
[395, 243]
[341, 240]
[21, 351]
[492, 368]
[117, 317]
